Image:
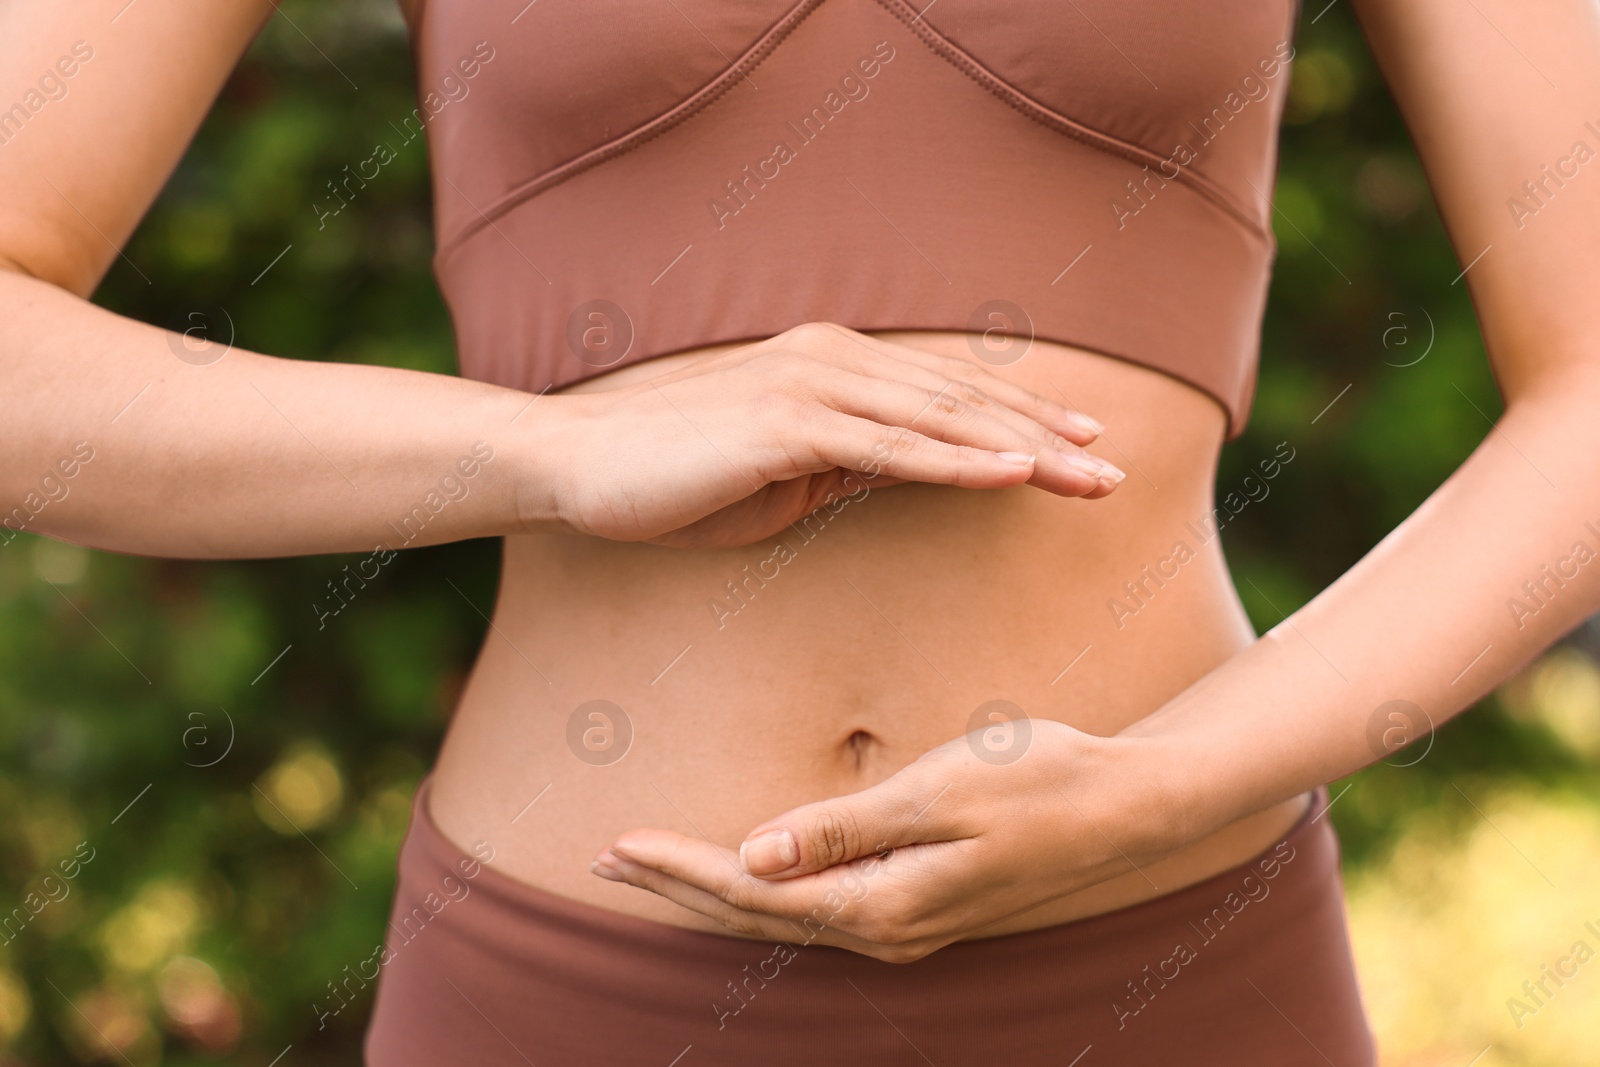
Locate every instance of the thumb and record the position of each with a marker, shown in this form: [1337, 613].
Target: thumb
[830, 832]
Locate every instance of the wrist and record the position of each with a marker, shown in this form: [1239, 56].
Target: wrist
[1157, 806]
[540, 465]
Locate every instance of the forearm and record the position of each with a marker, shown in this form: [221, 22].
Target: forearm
[246, 456]
[1428, 617]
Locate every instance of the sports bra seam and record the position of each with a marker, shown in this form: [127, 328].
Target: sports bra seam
[936, 42]
[641, 134]
[1051, 119]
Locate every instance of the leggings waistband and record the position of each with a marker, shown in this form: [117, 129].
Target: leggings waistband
[1251, 965]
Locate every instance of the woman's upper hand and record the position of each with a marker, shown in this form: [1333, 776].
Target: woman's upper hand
[733, 448]
[966, 836]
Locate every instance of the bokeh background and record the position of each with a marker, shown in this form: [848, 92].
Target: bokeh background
[183, 719]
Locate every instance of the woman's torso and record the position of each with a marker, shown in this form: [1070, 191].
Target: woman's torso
[823, 669]
[704, 172]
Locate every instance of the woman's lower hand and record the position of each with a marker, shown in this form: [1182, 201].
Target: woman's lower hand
[735, 447]
[954, 843]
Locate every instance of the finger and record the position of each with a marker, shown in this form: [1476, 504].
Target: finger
[614, 866]
[817, 923]
[1059, 418]
[1067, 420]
[710, 880]
[836, 439]
[776, 505]
[1055, 429]
[964, 415]
[900, 905]
[938, 388]
[706, 877]
[841, 440]
[829, 486]
[899, 811]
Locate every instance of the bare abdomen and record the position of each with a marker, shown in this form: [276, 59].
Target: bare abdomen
[629, 685]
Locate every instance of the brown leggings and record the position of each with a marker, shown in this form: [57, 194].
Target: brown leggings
[1250, 967]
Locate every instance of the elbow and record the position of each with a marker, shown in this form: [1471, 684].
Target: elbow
[8, 265]
[1551, 430]
[1565, 397]
[78, 278]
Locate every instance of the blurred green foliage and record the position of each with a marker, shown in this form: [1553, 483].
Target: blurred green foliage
[202, 715]
[195, 869]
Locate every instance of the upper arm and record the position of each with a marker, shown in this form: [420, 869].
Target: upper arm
[1496, 94]
[98, 100]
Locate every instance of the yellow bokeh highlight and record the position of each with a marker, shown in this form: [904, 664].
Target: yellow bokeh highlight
[156, 925]
[15, 1007]
[302, 791]
[52, 827]
[1562, 692]
[1322, 84]
[385, 814]
[59, 562]
[1449, 926]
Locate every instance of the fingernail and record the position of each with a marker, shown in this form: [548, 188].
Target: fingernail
[606, 871]
[1112, 476]
[1083, 464]
[1021, 459]
[770, 852]
[1084, 422]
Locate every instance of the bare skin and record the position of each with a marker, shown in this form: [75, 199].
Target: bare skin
[1423, 618]
[807, 692]
[279, 457]
[829, 713]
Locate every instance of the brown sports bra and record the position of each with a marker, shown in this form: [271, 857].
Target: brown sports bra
[621, 179]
